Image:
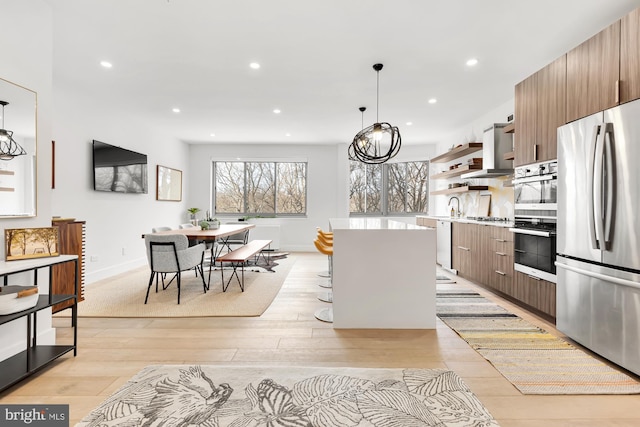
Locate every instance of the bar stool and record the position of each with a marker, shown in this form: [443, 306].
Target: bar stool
[327, 239]
[325, 314]
[327, 249]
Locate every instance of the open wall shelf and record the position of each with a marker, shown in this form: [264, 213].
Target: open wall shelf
[463, 189]
[456, 172]
[460, 151]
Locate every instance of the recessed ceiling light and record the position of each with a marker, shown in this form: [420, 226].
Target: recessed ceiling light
[287, 134]
[432, 101]
[471, 62]
[254, 65]
[106, 64]
[409, 123]
[277, 111]
[213, 134]
[176, 110]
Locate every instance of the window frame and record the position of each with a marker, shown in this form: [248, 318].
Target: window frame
[245, 203]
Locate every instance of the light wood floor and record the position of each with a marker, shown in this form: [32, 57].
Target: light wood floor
[113, 350]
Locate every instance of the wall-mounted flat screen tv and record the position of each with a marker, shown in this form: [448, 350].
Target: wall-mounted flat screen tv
[118, 169]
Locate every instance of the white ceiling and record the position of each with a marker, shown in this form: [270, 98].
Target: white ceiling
[316, 58]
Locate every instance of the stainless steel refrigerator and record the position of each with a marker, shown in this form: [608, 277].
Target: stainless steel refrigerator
[598, 242]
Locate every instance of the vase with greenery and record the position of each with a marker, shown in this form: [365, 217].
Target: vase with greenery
[192, 215]
[208, 222]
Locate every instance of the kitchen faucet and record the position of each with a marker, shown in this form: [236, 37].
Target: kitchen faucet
[457, 211]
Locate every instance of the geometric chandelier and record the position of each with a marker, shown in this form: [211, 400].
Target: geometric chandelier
[379, 142]
[9, 148]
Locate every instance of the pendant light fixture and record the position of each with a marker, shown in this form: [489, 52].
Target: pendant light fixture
[379, 142]
[9, 148]
[352, 152]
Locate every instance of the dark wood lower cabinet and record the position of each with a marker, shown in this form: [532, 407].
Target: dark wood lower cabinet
[484, 255]
[71, 242]
[536, 293]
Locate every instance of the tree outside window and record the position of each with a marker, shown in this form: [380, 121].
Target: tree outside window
[260, 188]
[389, 189]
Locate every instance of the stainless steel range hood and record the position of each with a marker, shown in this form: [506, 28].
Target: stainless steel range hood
[495, 143]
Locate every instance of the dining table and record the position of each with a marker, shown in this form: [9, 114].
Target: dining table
[211, 235]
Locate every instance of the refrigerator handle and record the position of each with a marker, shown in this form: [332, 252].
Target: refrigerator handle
[591, 173]
[612, 279]
[598, 196]
[610, 194]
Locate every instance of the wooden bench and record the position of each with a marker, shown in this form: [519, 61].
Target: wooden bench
[238, 258]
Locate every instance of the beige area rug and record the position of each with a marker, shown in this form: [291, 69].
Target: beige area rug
[532, 359]
[123, 295]
[218, 396]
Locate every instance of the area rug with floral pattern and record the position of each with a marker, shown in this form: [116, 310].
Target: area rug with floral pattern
[217, 396]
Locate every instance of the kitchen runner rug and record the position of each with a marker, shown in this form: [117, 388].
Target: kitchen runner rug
[442, 278]
[123, 295]
[218, 396]
[533, 360]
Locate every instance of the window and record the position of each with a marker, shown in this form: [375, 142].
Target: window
[260, 188]
[365, 195]
[389, 189]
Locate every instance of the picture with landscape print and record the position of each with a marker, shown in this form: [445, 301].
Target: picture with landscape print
[27, 243]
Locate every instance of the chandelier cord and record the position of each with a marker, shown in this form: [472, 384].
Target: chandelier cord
[377, 95]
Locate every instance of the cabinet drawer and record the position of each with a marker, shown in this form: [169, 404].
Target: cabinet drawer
[502, 240]
[501, 245]
[501, 272]
[502, 262]
[537, 293]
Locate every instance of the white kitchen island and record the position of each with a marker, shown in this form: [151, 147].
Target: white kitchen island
[384, 274]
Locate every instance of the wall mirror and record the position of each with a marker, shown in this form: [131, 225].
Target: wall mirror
[169, 184]
[18, 175]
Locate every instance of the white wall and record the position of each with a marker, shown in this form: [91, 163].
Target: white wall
[501, 198]
[26, 48]
[114, 221]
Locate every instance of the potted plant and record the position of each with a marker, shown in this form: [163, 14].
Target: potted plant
[212, 223]
[192, 214]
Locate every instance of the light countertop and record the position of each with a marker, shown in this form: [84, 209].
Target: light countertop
[509, 223]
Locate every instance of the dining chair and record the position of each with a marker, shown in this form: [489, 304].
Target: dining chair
[171, 253]
[239, 239]
[210, 245]
[163, 275]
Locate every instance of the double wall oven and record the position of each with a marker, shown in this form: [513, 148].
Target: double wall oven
[535, 214]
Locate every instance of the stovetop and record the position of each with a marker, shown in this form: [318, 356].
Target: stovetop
[488, 218]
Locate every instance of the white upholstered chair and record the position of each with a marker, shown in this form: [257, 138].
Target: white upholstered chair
[171, 253]
[239, 239]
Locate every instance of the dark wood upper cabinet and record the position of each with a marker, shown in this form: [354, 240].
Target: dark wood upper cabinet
[593, 73]
[526, 100]
[551, 108]
[630, 57]
[539, 109]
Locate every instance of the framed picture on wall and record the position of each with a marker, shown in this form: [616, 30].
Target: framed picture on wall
[27, 243]
[168, 184]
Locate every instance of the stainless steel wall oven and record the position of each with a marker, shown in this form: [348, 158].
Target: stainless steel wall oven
[535, 191]
[536, 187]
